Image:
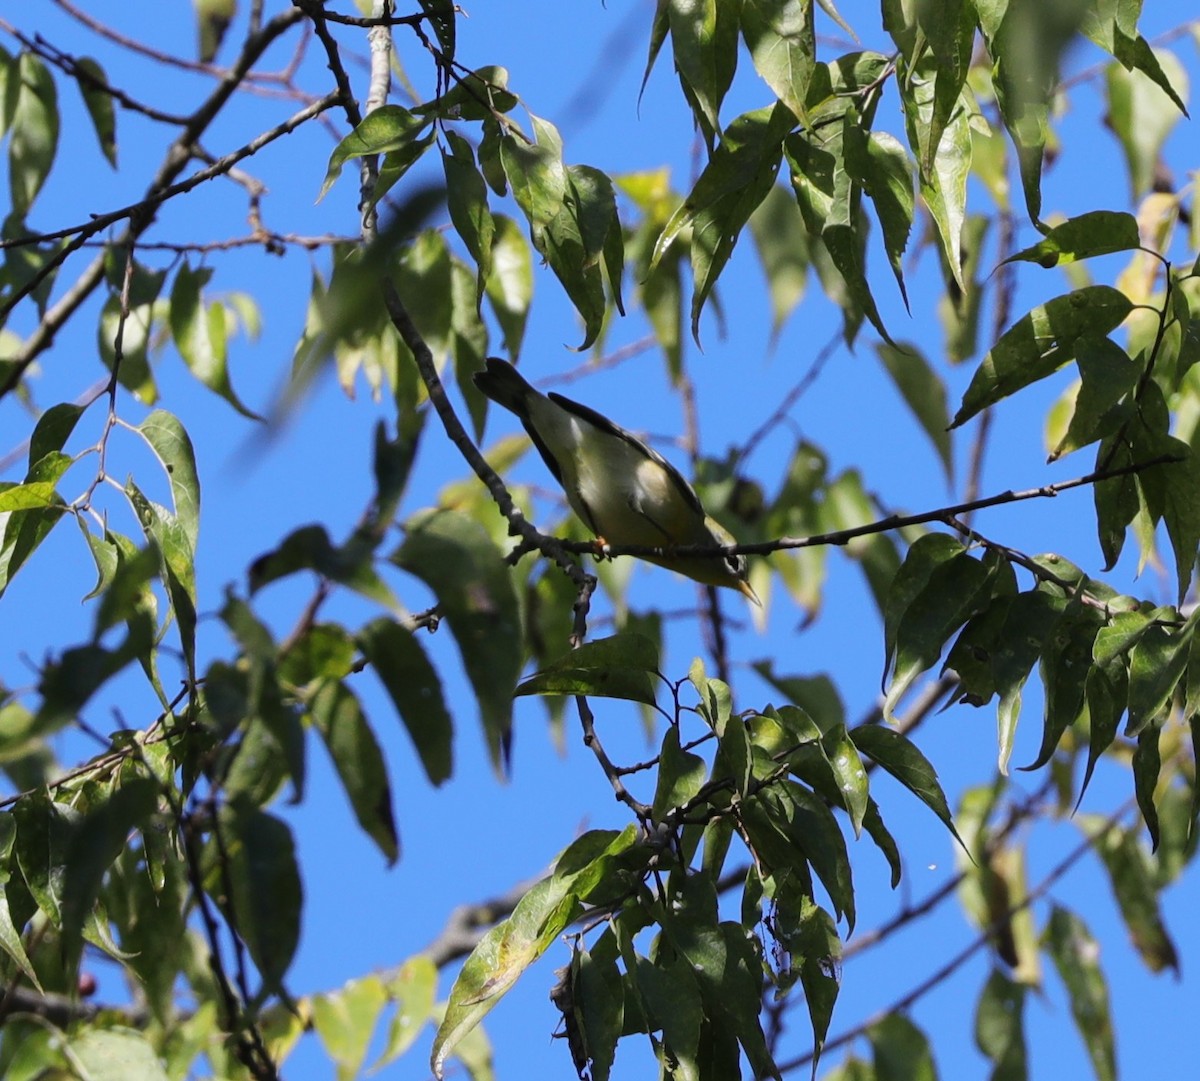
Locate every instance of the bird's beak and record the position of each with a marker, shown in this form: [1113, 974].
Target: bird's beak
[747, 591]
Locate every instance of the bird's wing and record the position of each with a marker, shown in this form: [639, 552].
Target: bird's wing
[599, 420]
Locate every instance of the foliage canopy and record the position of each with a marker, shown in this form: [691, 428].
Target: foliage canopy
[729, 897]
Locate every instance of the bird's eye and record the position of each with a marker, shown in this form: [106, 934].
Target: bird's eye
[734, 563]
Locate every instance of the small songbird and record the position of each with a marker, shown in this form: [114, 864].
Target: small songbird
[625, 492]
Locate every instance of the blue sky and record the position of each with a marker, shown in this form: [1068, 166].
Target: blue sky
[580, 65]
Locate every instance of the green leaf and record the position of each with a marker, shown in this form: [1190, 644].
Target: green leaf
[388, 128]
[571, 212]
[944, 156]
[116, 1054]
[782, 243]
[599, 1007]
[681, 775]
[1066, 661]
[923, 392]
[1000, 1027]
[1118, 36]
[309, 548]
[513, 945]
[704, 40]
[345, 1019]
[789, 813]
[751, 145]
[171, 445]
[1075, 951]
[53, 429]
[1116, 498]
[134, 372]
[1142, 115]
[1105, 690]
[1147, 766]
[1040, 343]
[32, 108]
[783, 48]
[440, 14]
[67, 682]
[453, 555]
[413, 989]
[93, 85]
[96, 840]
[42, 848]
[10, 937]
[178, 569]
[510, 285]
[1107, 375]
[830, 202]
[474, 96]
[201, 336]
[924, 556]
[901, 1050]
[900, 757]
[621, 666]
[466, 199]
[1097, 232]
[880, 164]
[412, 684]
[1172, 493]
[1133, 885]
[359, 762]
[955, 590]
[1156, 666]
[256, 881]
[39, 493]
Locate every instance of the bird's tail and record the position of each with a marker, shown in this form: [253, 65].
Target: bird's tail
[501, 382]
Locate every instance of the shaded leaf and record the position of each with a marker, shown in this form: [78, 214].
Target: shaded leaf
[455, 557]
[412, 684]
[901, 758]
[1075, 953]
[1040, 343]
[923, 392]
[359, 762]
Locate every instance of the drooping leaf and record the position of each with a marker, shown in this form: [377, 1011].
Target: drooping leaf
[923, 392]
[255, 878]
[1000, 1027]
[414, 688]
[201, 335]
[1129, 875]
[466, 199]
[901, 758]
[359, 762]
[901, 1050]
[1075, 953]
[564, 206]
[1142, 114]
[33, 123]
[132, 363]
[99, 102]
[782, 243]
[510, 285]
[782, 43]
[456, 558]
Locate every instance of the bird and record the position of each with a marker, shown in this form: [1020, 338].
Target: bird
[624, 491]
